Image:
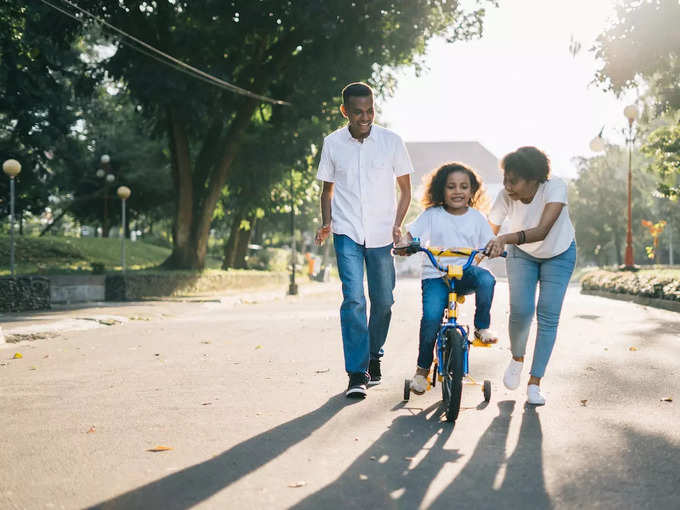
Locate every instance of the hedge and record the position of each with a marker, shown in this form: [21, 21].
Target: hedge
[652, 284]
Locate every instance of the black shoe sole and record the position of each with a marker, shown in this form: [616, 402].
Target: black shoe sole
[356, 393]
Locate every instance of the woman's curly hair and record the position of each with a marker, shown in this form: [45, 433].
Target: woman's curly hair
[435, 185]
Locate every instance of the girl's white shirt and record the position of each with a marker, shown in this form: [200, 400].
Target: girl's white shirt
[436, 227]
[526, 216]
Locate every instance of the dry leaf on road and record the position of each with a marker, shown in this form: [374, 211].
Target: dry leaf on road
[667, 399]
[91, 430]
[632, 348]
[159, 449]
[584, 402]
[295, 485]
[18, 355]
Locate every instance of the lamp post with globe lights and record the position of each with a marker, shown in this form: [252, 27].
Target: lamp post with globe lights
[104, 172]
[11, 167]
[597, 144]
[631, 113]
[123, 193]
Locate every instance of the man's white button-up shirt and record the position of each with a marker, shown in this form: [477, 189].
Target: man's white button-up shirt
[364, 193]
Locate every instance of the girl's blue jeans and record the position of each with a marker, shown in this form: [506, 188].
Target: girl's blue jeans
[551, 276]
[361, 339]
[436, 298]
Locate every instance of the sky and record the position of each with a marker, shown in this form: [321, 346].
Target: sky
[517, 85]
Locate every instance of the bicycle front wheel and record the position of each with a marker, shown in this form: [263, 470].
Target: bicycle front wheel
[452, 383]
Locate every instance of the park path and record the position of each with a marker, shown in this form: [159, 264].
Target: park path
[249, 397]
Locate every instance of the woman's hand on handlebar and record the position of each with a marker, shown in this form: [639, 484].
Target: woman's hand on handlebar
[495, 247]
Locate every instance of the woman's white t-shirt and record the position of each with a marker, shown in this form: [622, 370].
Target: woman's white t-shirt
[436, 227]
[525, 216]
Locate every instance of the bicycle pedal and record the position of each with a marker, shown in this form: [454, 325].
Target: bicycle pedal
[478, 343]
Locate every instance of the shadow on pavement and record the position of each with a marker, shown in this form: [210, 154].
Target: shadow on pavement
[194, 484]
[384, 477]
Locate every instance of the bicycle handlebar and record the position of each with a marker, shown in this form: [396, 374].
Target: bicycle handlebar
[414, 247]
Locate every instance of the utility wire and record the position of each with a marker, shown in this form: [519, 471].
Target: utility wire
[164, 58]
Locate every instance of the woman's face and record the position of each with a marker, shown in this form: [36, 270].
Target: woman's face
[519, 188]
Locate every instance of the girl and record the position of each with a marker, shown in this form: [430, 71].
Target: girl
[536, 206]
[450, 220]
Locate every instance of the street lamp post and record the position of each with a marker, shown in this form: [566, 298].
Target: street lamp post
[631, 113]
[123, 193]
[11, 167]
[105, 173]
[292, 288]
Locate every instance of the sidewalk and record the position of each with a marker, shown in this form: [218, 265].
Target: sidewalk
[28, 326]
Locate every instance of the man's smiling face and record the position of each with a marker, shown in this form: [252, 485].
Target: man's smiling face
[359, 112]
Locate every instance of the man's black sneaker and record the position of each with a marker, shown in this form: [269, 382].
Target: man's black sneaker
[357, 385]
[374, 372]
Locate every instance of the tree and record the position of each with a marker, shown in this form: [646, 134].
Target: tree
[643, 44]
[663, 148]
[40, 74]
[302, 51]
[598, 203]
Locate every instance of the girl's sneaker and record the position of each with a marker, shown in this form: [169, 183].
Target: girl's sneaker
[534, 395]
[419, 384]
[486, 336]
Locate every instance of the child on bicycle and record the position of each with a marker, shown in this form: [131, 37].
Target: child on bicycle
[451, 220]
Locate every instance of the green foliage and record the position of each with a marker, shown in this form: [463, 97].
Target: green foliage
[40, 72]
[656, 283]
[662, 146]
[598, 206]
[643, 45]
[46, 255]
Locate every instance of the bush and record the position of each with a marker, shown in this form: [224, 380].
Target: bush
[656, 284]
[272, 259]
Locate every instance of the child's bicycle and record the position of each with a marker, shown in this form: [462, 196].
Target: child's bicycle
[452, 344]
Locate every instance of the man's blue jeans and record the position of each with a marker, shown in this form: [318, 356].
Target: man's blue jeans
[436, 298]
[361, 339]
[552, 277]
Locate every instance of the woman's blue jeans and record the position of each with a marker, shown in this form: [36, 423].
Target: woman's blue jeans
[436, 298]
[361, 339]
[551, 276]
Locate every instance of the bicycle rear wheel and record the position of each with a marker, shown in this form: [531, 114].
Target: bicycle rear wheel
[452, 383]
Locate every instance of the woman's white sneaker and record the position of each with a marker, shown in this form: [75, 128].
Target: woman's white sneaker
[534, 395]
[512, 374]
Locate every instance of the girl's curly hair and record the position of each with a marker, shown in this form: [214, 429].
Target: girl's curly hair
[435, 185]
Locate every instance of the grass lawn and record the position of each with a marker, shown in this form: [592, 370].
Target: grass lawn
[55, 255]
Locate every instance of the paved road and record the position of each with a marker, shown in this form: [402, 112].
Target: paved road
[249, 397]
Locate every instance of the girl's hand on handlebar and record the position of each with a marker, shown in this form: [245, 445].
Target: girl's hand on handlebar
[495, 247]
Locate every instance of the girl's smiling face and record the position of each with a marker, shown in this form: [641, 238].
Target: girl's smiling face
[457, 192]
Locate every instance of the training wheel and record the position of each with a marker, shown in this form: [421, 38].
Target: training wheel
[407, 389]
[486, 389]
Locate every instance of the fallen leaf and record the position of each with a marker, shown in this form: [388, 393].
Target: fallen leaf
[159, 449]
[206, 403]
[584, 402]
[91, 430]
[46, 356]
[363, 477]
[33, 368]
[667, 399]
[408, 458]
[372, 457]
[258, 347]
[632, 348]
[18, 355]
[206, 342]
[323, 371]
[356, 438]
[295, 485]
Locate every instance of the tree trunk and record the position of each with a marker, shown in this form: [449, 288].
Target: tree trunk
[184, 254]
[230, 245]
[242, 246]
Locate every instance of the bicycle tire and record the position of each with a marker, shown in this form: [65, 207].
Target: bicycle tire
[452, 383]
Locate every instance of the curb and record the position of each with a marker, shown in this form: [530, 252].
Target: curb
[665, 304]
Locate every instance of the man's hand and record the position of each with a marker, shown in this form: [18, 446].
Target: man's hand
[322, 234]
[396, 235]
[495, 247]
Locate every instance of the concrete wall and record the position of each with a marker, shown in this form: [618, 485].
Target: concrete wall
[65, 289]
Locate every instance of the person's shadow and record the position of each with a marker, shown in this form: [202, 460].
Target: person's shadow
[196, 483]
[523, 485]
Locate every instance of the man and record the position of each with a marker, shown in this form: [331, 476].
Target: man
[358, 167]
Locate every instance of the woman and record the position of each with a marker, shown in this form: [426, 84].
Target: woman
[542, 252]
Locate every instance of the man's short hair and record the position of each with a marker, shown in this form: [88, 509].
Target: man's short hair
[356, 89]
